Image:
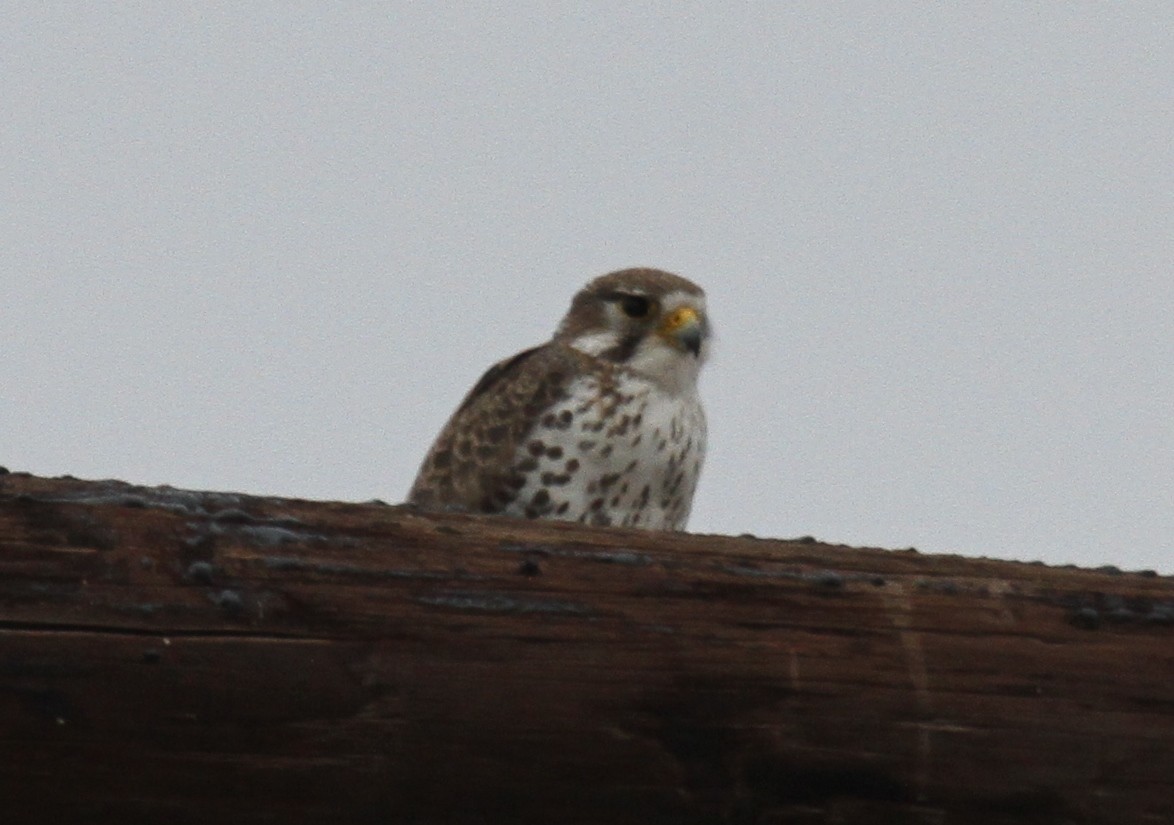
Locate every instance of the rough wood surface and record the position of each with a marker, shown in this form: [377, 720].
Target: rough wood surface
[184, 657]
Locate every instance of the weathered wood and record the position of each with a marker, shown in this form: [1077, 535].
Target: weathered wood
[173, 656]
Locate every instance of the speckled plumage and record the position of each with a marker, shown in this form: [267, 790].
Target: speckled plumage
[601, 425]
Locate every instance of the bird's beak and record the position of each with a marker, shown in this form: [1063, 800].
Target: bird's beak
[685, 328]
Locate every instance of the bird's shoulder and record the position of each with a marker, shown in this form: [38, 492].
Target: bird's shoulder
[474, 452]
[541, 372]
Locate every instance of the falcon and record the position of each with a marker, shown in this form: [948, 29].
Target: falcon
[601, 425]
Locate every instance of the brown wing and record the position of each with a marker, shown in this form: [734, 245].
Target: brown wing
[470, 465]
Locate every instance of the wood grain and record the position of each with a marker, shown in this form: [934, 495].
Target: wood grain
[187, 657]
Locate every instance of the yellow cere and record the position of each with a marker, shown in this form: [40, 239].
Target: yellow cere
[678, 318]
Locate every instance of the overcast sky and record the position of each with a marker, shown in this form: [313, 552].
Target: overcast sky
[267, 247]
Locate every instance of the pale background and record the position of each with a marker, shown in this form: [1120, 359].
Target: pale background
[267, 246]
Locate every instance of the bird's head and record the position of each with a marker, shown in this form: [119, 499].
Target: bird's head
[651, 322]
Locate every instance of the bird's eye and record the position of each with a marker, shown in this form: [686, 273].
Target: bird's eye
[635, 306]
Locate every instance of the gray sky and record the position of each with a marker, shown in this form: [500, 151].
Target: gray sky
[267, 247]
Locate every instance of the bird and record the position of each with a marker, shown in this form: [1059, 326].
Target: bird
[602, 425]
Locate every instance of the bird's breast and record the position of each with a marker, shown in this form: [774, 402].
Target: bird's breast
[616, 452]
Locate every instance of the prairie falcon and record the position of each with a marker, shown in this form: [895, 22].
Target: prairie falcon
[601, 425]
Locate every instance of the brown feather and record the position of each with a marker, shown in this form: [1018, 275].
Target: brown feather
[470, 465]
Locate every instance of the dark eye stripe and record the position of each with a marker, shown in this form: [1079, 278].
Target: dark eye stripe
[635, 306]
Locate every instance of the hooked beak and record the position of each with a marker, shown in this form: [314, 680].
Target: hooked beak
[685, 328]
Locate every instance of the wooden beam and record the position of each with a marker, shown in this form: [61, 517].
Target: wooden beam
[188, 657]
